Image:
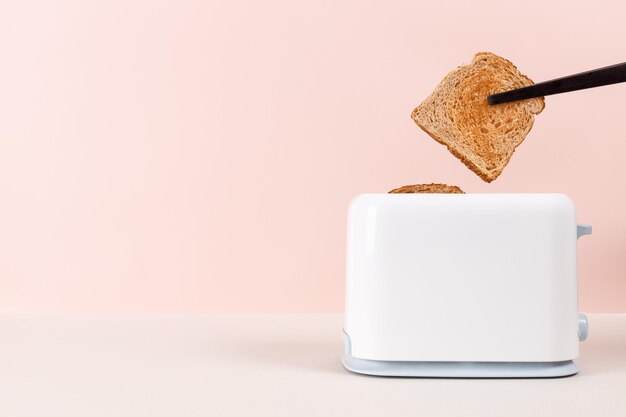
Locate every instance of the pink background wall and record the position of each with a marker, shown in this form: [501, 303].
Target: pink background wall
[190, 156]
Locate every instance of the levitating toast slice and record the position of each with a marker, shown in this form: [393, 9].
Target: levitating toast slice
[427, 189]
[457, 115]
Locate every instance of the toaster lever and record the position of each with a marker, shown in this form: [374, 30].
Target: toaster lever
[582, 230]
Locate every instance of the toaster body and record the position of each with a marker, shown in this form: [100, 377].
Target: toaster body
[462, 285]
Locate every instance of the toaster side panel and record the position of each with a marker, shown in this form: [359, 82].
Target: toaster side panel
[475, 277]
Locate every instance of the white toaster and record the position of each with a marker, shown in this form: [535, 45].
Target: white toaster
[462, 285]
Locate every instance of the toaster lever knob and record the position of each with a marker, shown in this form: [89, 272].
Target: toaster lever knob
[583, 327]
[582, 230]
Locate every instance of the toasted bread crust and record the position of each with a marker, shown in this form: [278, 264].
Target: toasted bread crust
[427, 189]
[457, 115]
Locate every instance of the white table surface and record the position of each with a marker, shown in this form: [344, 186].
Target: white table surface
[265, 366]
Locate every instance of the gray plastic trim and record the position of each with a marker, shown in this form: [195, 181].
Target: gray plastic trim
[583, 327]
[347, 343]
[457, 369]
[460, 369]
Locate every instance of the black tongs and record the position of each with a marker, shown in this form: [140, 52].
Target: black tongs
[594, 78]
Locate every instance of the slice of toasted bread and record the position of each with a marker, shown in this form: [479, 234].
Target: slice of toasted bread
[457, 115]
[427, 189]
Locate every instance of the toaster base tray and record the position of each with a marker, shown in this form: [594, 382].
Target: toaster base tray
[460, 369]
